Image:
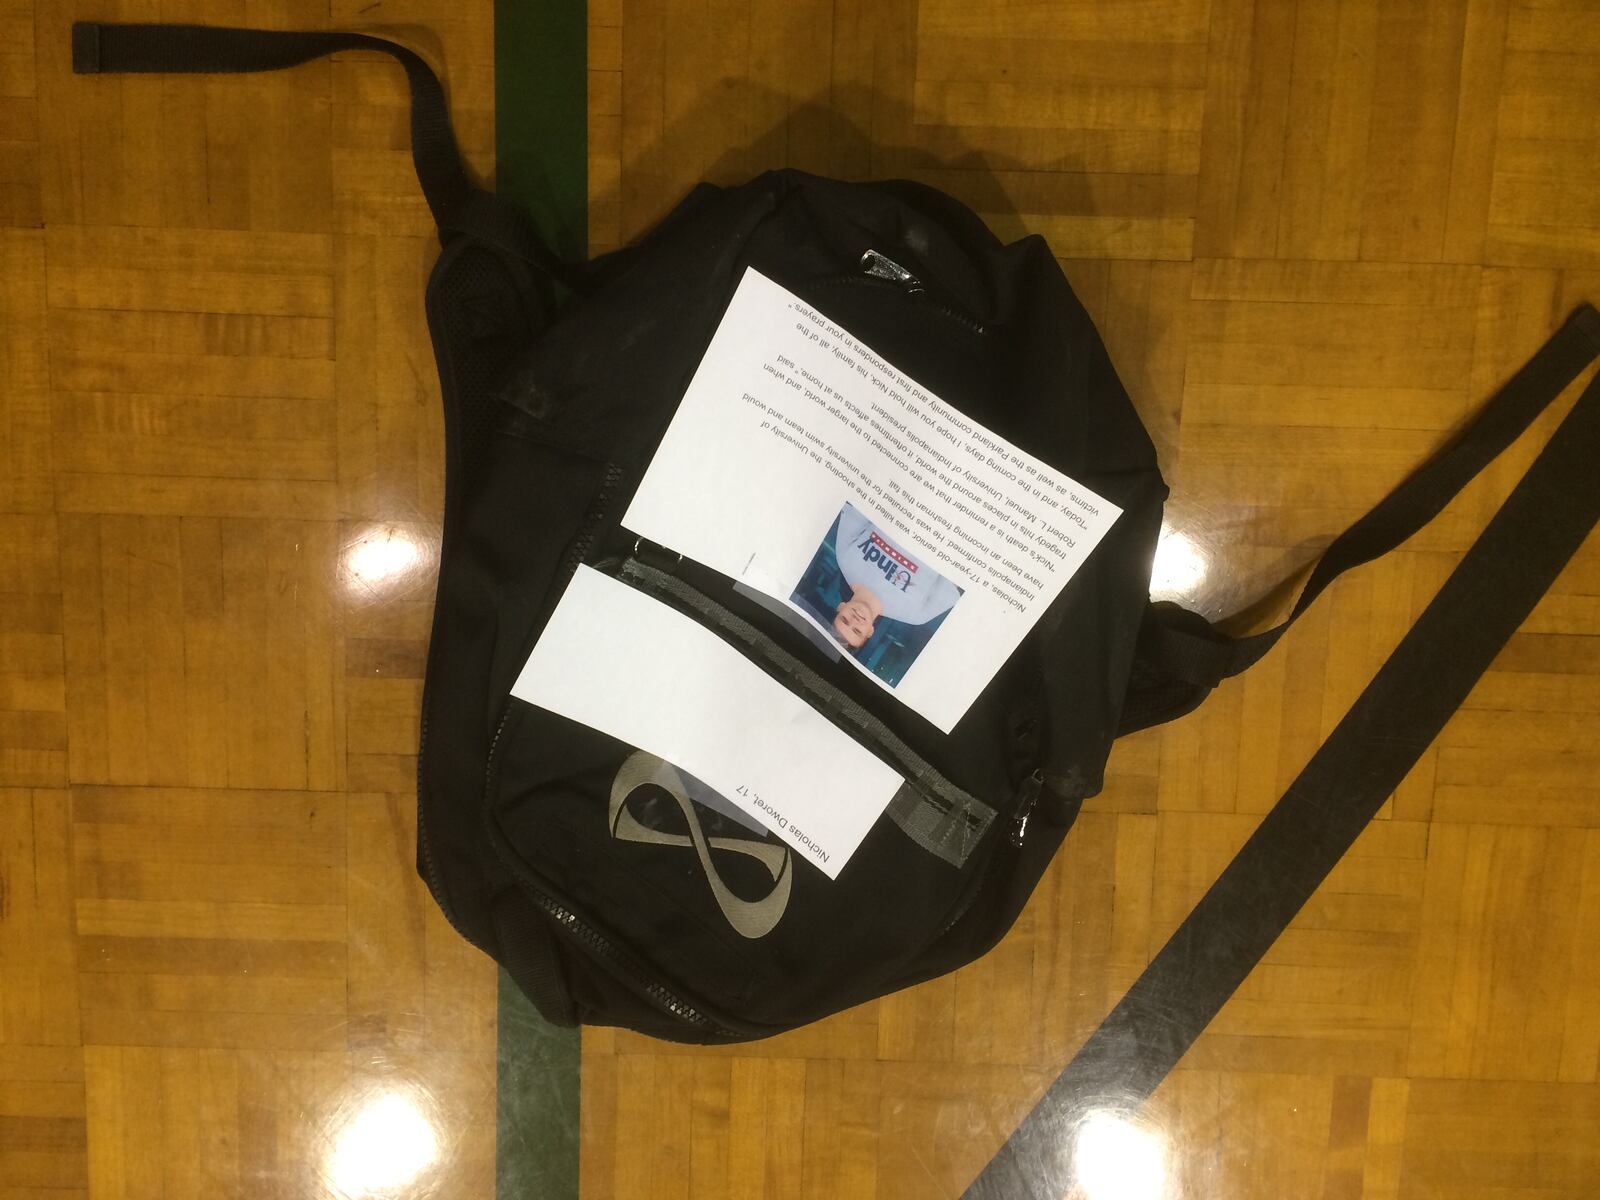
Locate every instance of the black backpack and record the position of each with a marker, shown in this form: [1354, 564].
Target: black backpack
[590, 870]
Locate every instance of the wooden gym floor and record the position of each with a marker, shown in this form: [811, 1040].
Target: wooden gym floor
[1314, 232]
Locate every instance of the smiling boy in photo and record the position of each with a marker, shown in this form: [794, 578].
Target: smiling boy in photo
[880, 601]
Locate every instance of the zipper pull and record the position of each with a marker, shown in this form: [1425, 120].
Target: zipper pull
[1027, 797]
[884, 267]
[657, 556]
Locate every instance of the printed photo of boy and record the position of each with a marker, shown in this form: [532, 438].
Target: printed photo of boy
[881, 602]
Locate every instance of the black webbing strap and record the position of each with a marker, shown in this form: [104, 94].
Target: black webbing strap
[1493, 589]
[201, 49]
[1203, 657]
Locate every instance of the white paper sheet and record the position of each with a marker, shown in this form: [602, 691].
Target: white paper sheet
[627, 665]
[793, 433]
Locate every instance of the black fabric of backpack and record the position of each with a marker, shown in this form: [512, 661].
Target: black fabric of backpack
[606, 892]
[519, 841]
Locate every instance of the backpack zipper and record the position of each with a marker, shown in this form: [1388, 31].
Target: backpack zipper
[1027, 800]
[884, 267]
[668, 588]
[603, 947]
[568, 920]
[877, 269]
[1027, 797]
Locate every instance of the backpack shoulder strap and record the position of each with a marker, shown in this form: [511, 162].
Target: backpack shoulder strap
[1486, 598]
[492, 288]
[1181, 656]
[200, 49]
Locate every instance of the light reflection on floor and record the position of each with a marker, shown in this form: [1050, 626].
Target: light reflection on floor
[1118, 1158]
[383, 1144]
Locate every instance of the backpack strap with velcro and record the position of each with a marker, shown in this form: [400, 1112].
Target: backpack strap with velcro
[1486, 598]
[1181, 656]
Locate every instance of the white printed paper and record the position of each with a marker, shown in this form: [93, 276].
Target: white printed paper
[803, 464]
[629, 666]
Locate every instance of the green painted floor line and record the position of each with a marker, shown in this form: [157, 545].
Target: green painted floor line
[541, 128]
[541, 156]
[536, 1126]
